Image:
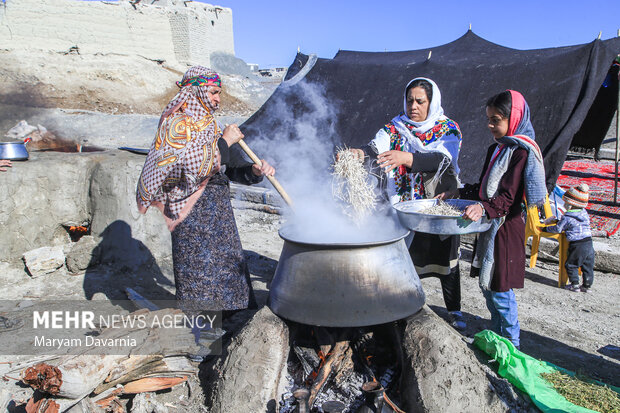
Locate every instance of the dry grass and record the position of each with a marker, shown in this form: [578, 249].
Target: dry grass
[352, 186]
[584, 392]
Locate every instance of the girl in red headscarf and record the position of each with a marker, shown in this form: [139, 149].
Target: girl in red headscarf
[513, 171]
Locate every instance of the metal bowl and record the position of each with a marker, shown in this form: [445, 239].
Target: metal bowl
[14, 151]
[410, 217]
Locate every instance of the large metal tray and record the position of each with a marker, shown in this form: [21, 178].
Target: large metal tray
[410, 217]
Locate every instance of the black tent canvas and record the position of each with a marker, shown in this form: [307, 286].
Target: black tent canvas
[563, 87]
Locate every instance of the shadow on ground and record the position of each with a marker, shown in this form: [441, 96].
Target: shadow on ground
[262, 269]
[537, 278]
[125, 263]
[570, 358]
[548, 349]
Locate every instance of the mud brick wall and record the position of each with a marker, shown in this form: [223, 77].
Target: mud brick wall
[172, 31]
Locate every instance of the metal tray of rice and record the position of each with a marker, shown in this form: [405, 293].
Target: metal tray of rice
[439, 217]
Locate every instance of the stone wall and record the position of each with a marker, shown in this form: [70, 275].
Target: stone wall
[174, 31]
[53, 189]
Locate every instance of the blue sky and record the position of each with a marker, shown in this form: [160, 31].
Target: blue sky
[268, 32]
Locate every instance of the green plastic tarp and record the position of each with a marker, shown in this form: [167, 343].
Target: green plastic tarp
[524, 372]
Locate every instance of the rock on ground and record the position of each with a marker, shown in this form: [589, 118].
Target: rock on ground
[441, 373]
[249, 379]
[82, 254]
[44, 260]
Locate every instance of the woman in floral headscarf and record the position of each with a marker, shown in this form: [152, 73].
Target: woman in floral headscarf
[186, 178]
[419, 151]
[513, 170]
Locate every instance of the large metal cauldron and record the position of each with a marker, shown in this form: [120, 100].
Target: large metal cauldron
[345, 285]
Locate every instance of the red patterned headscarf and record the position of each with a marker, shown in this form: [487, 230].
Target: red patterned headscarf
[184, 152]
[519, 122]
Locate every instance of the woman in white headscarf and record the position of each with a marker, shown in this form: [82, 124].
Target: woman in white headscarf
[418, 150]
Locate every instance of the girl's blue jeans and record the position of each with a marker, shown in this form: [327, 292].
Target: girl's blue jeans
[504, 316]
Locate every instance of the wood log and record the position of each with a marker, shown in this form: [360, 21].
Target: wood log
[74, 378]
[23, 362]
[42, 406]
[37, 404]
[129, 364]
[85, 405]
[107, 399]
[331, 365]
[152, 384]
[167, 367]
[116, 406]
[341, 377]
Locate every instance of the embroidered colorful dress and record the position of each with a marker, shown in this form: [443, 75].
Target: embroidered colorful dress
[183, 177]
[435, 144]
[408, 185]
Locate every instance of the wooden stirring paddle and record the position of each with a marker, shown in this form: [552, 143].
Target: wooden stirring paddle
[272, 179]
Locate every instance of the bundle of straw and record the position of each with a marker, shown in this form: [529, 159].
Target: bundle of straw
[352, 186]
[442, 208]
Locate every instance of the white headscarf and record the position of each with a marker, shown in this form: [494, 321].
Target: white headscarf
[435, 111]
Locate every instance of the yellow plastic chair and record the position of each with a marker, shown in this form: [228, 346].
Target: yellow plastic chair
[535, 228]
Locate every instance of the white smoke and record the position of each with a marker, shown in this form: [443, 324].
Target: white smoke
[302, 147]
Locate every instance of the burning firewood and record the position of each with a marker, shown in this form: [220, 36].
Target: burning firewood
[332, 363]
[308, 359]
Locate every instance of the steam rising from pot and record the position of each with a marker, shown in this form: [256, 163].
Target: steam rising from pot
[301, 144]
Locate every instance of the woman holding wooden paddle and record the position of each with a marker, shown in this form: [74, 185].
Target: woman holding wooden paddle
[186, 177]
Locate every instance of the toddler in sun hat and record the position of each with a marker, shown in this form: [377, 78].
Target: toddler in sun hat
[575, 223]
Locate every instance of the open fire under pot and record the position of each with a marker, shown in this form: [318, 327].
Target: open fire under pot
[342, 302]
